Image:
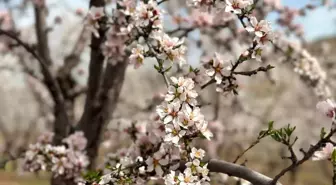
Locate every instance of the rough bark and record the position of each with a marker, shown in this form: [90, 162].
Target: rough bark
[92, 123]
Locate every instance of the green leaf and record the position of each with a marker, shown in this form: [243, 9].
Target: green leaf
[167, 69]
[270, 125]
[333, 156]
[157, 67]
[276, 135]
[322, 133]
[92, 176]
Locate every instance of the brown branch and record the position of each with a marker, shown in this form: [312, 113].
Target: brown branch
[254, 72]
[41, 33]
[221, 166]
[307, 155]
[62, 121]
[91, 122]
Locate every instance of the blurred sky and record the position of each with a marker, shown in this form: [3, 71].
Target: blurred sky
[319, 23]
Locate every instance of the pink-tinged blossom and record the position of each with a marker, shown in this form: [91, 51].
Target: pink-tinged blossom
[114, 46]
[79, 11]
[129, 6]
[170, 49]
[327, 107]
[219, 68]
[64, 161]
[46, 138]
[274, 3]
[236, 6]
[156, 162]
[325, 153]
[259, 28]
[201, 19]
[137, 56]
[267, 37]
[149, 13]
[202, 4]
[198, 75]
[6, 22]
[76, 141]
[92, 18]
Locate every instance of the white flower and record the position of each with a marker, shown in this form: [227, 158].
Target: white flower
[325, 153]
[269, 36]
[236, 6]
[186, 178]
[204, 171]
[129, 6]
[219, 68]
[76, 141]
[137, 56]
[105, 179]
[171, 179]
[197, 153]
[92, 19]
[154, 163]
[168, 112]
[203, 128]
[327, 108]
[147, 13]
[174, 133]
[171, 49]
[259, 28]
[59, 165]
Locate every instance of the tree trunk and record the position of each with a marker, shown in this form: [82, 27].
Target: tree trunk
[93, 123]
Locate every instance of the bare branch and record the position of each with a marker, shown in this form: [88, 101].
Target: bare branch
[41, 33]
[53, 86]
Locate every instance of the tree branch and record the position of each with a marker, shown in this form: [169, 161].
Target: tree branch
[54, 88]
[41, 33]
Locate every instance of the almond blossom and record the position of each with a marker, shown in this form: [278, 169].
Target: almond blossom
[168, 112]
[259, 28]
[327, 108]
[174, 133]
[219, 68]
[64, 161]
[156, 162]
[236, 6]
[137, 56]
[170, 49]
[92, 18]
[186, 178]
[197, 153]
[325, 153]
[148, 13]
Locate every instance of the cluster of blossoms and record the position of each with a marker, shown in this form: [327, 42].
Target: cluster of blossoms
[92, 19]
[328, 108]
[308, 68]
[263, 34]
[131, 22]
[158, 44]
[68, 160]
[234, 6]
[162, 143]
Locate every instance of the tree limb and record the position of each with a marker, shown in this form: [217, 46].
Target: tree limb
[61, 128]
[41, 33]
